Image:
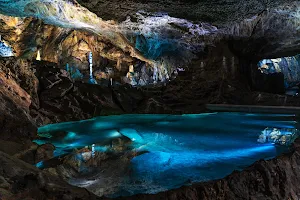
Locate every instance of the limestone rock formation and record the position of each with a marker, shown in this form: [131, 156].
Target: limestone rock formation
[62, 13]
[62, 99]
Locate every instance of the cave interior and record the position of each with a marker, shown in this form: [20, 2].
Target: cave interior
[149, 99]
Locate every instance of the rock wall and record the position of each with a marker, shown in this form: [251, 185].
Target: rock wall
[60, 45]
[62, 99]
[66, 46]
[15, 122]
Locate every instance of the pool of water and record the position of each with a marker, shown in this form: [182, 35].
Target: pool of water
[181, 149]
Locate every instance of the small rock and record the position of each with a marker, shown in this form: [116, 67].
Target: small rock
[86, 156]
[3, 183]
[44, 152]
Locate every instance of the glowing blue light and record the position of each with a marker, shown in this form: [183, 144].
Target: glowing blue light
[74, 72]
[5, 50]
[39, 142]
[58, 152]
[114, 133]
[40, 164]
[104, 125]
[70, 136]
[100, 148]
[75, 144]
[131, 134]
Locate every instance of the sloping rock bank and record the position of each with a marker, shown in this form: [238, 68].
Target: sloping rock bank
[15, 121]
[19, 180]
[277, 178]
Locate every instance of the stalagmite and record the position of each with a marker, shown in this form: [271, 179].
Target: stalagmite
[91, 64]
[202, 68]
[130, 75]
[38, 56]
[224, 64]
[91, 79]
[93, 150]
[233, 67]
[119, 64]
[155, 74]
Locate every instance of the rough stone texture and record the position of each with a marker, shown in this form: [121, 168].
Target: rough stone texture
[15, 121]
[270, 34]
[44, 152]
[222, 74]
[62, 46]
[61, 99]
[218, 11]
[210, 81]
[255, 29]
[69, 14]
[19, 180]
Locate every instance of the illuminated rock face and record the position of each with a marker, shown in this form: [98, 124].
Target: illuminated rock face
[61, 13]
[64, 46]
[5, 50]
[69, 15]
[153, 37]
[157, 34]
[278, 136]
[288, 66]
[273, 33]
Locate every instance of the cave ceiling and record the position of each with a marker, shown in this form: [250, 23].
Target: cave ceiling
[216, 12]
[266, 27]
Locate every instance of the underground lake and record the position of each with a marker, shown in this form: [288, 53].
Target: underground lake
[124, 155]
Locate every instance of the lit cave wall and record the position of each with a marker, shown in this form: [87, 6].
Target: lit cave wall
[288, 67]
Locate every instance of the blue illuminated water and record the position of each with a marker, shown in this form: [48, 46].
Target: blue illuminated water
[182, 148]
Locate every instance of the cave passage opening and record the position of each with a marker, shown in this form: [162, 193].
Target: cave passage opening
[285, 71]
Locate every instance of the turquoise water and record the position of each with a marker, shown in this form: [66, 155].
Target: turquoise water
[182, 149]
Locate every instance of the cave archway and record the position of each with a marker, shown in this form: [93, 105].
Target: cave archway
[285, 72]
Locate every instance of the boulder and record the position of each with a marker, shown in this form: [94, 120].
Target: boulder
[44, 152]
